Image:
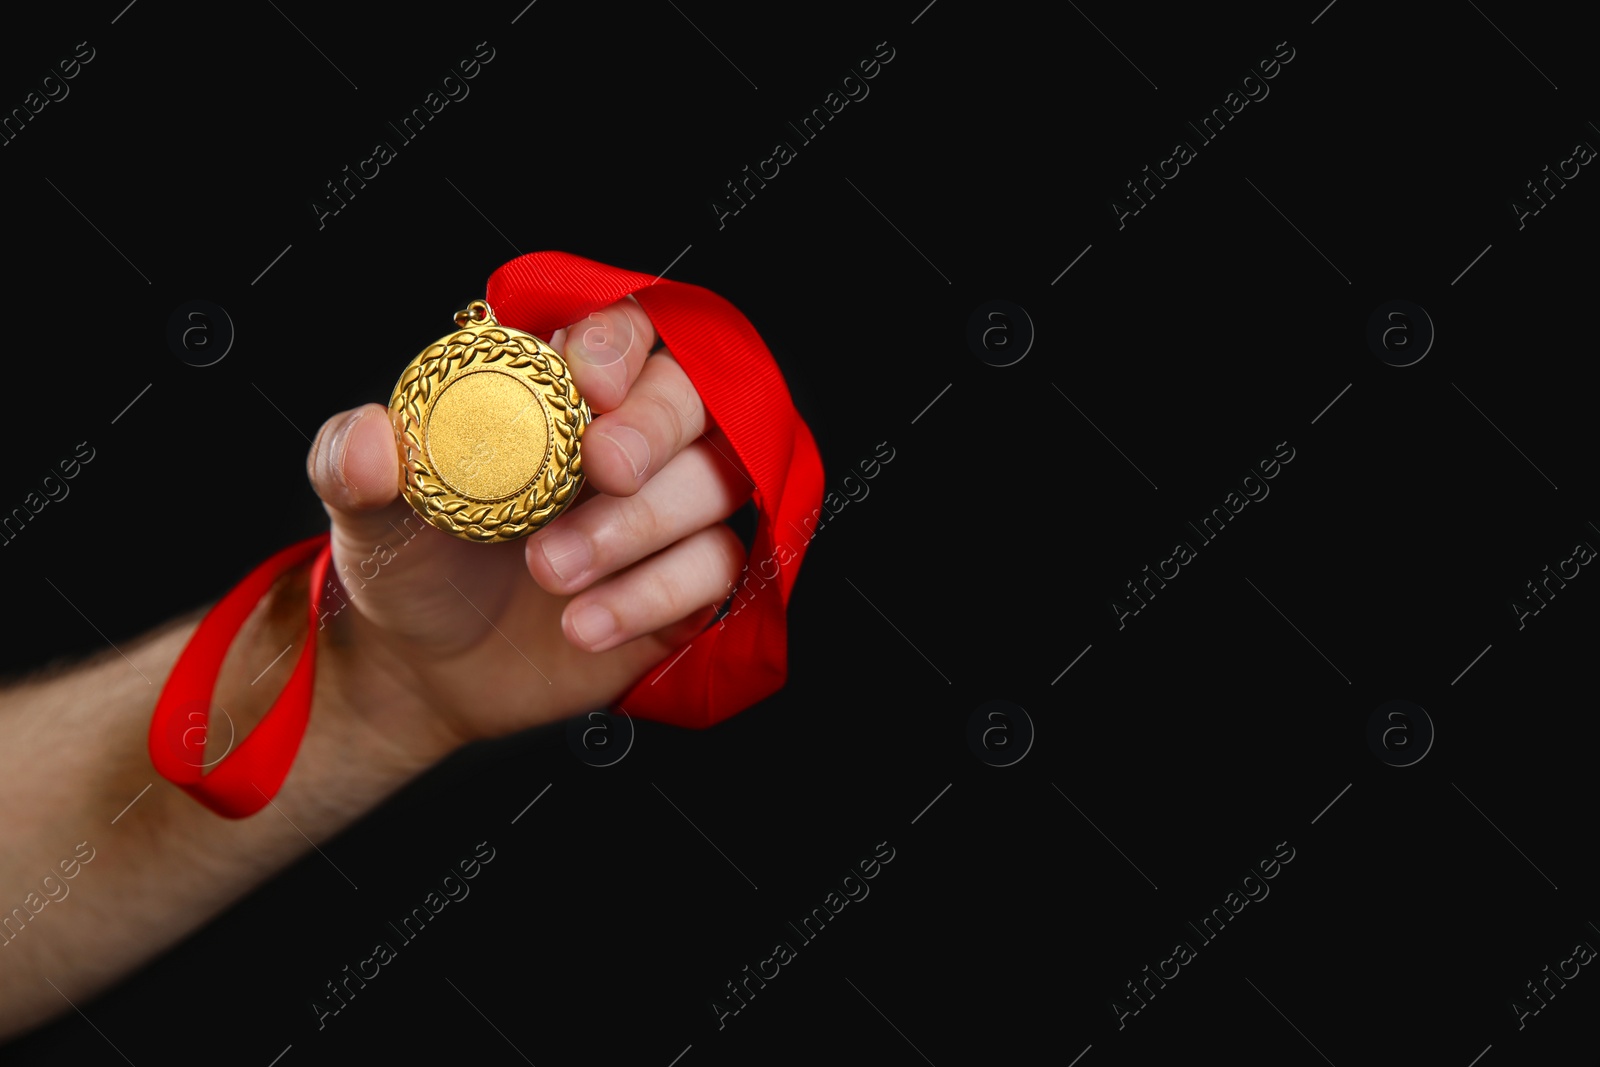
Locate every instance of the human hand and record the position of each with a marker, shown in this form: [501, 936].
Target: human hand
[447, 641]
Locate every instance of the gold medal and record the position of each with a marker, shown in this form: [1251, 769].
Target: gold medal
[488, 422]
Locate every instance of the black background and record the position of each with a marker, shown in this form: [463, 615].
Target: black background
[1177, 751]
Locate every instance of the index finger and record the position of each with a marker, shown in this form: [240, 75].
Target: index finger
[606, 352]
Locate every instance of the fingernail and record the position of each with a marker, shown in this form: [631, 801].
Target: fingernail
[593, 624]
[566, 552]
[334, 457]
[633, 445]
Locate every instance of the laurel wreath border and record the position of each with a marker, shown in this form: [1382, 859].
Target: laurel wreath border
[549, 492]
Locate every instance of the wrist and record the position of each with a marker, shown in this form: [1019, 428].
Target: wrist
[373, 701]
[366, 731]
[365, 737]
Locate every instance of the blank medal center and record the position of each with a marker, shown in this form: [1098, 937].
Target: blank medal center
[487, 435]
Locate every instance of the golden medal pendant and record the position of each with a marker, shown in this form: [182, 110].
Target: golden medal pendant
[489, 426]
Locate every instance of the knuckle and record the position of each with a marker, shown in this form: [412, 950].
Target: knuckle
[636, 523]
[661, 590]
[682, 407]
[643, 331]
[669, 417]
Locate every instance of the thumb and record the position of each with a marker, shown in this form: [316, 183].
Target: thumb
[355, 469]
[440, 586]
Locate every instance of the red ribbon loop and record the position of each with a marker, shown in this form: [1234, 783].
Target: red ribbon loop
[251, 772]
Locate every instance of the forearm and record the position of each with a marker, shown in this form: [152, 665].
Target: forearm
[74, 767]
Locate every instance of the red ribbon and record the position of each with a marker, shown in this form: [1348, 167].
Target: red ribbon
[744, 659]
[250, 772]
[728, 667]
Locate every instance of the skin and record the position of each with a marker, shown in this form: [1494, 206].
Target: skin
[448, 643]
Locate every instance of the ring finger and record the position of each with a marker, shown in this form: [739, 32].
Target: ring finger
[604, 534]
[694, 573]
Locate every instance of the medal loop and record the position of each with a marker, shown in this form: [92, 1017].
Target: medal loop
[488, 425]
